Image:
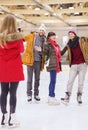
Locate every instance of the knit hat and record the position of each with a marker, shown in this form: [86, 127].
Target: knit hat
[72, 31]
[42, 27]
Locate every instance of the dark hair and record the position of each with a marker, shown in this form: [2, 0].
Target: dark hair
[19, 29]
[50, 34]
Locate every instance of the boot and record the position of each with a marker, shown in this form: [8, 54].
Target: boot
[37, 98]
[29, 98]
[13, 121]
[79, 100]
[53, 101]
[4, 121]
[67, 98]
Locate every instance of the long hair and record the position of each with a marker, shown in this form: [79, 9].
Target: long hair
[8, 26]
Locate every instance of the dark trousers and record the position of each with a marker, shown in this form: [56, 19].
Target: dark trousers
[36, 69]
[6, 88]
[52, 83]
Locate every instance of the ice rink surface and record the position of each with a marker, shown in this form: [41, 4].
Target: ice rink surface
[41, 116]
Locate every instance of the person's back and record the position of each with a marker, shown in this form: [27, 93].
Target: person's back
[10, 59]
[11, 70]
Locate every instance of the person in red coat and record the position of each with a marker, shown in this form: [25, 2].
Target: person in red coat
[11, 70]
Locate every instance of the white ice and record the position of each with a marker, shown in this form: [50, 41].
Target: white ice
[41, 116]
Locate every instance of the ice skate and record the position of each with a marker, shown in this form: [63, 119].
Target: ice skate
[29, 98]
[4, 121]
[13, 121]
[79, 100]
[37, 98]
[66, 99]
[53, 101]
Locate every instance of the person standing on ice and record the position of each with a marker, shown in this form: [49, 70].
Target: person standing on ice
[11, 70]
[77, 59]
[34, 61]
[53, 54]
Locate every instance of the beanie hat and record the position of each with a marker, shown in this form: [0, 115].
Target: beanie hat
[42, 27]
[72, 31]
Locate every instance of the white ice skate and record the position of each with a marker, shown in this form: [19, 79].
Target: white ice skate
[53, 101]
[13, 121]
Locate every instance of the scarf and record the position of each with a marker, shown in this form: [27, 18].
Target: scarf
[57, 53]
[39, 40]
[73, 43]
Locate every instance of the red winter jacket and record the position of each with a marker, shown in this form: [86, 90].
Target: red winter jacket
[11, 69]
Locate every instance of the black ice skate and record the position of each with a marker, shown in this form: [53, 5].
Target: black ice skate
[29, 98]
[4, 120]
[37, 98]
[66, 99]
[79, 100]
[13, 122]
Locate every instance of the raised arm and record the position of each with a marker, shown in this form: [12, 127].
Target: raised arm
[64, 50]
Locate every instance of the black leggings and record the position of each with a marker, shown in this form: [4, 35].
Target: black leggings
[6, 88]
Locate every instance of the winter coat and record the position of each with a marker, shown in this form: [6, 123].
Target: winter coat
[83, 43]
[28, 57]
[11, 69]
[50, 57]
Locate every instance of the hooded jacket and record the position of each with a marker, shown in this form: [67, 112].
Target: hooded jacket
[11, 69]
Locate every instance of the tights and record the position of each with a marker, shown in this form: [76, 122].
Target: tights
[11, 88]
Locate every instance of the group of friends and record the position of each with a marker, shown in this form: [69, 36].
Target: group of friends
[39, 48]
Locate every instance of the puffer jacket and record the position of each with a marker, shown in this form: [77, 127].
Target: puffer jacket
[50, 56]
[83, 42]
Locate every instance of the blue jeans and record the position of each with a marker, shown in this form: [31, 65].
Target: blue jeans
[52, 83]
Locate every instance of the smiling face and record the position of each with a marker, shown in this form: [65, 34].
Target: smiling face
[71, 35]
[41, 32]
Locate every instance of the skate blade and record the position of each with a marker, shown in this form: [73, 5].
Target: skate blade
[30, 102]
[65, 103]
[13, 126]
[79, 104]
[4, 126]
[37, 102]
[52, 103]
